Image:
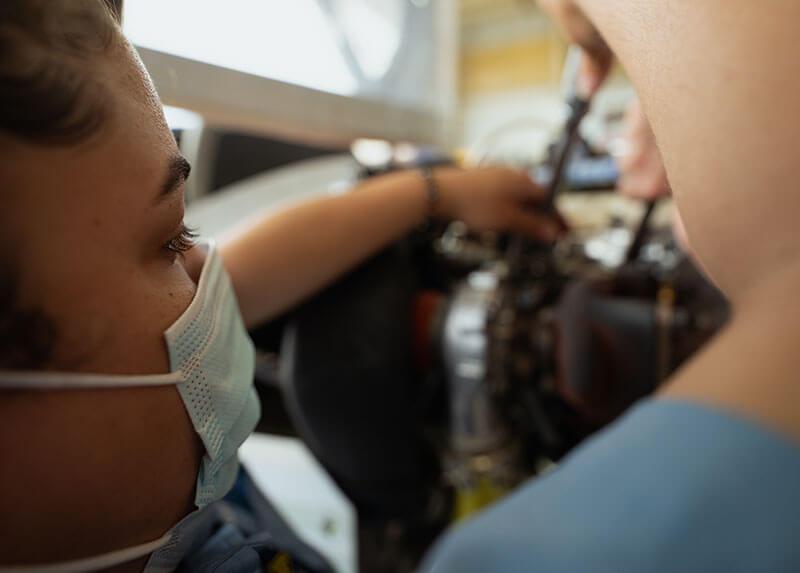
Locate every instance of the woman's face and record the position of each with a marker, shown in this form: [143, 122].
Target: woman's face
[89, 231]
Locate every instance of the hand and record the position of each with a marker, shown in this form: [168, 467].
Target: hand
[642, 172]
[579, 29]
[496, 199]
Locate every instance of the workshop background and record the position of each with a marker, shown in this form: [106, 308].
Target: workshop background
[275, 101]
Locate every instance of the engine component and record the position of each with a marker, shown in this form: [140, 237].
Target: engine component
[452, 366]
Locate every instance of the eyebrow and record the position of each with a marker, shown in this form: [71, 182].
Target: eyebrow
[178, 171]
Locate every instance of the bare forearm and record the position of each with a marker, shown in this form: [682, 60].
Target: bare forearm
[275, 262]
[719, 84]
[278, 261]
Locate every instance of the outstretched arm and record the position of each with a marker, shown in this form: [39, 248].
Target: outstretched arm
[277, 261]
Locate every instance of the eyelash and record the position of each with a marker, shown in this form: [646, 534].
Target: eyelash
[181, 242]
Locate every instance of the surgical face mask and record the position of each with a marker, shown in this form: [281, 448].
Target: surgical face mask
[212, 361]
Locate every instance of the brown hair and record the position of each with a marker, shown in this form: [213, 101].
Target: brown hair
[50, 94]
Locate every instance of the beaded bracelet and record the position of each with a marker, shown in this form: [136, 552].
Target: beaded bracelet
[432, 194]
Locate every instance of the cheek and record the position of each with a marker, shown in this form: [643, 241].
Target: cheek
[114, 322]
[99, 274]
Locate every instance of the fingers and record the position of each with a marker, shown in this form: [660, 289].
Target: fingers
[499, 199]
[537, 226]
[649, 184]
[643, 175]
[527, 190]
[579, 29]
[520, 213]
[518, 183]
[592, 74]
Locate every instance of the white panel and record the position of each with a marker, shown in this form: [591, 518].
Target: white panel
[293, 41]
[319, 71]
[255, 104]
[271, 191]
[305, 496]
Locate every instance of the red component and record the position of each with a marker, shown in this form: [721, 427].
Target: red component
[427, 312]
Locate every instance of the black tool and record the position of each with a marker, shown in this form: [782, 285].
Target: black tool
[578, 108]
[641, 232]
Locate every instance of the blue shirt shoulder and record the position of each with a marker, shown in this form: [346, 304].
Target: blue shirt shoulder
[671, 486]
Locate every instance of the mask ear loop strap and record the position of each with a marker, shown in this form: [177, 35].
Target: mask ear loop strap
[96, 563]
[26, 380]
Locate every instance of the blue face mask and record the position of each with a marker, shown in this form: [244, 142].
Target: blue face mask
[212, 361]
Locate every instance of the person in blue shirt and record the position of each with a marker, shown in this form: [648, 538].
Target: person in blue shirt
[704, 476]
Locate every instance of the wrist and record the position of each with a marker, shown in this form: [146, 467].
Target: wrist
[432, 192]
[440, 192]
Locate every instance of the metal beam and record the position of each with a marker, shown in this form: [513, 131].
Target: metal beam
[233, 99]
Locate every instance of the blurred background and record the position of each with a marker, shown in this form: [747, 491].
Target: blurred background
[253, 85]
[273, 101]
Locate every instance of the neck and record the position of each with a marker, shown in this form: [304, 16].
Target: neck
[774, 296]
[752, 365]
